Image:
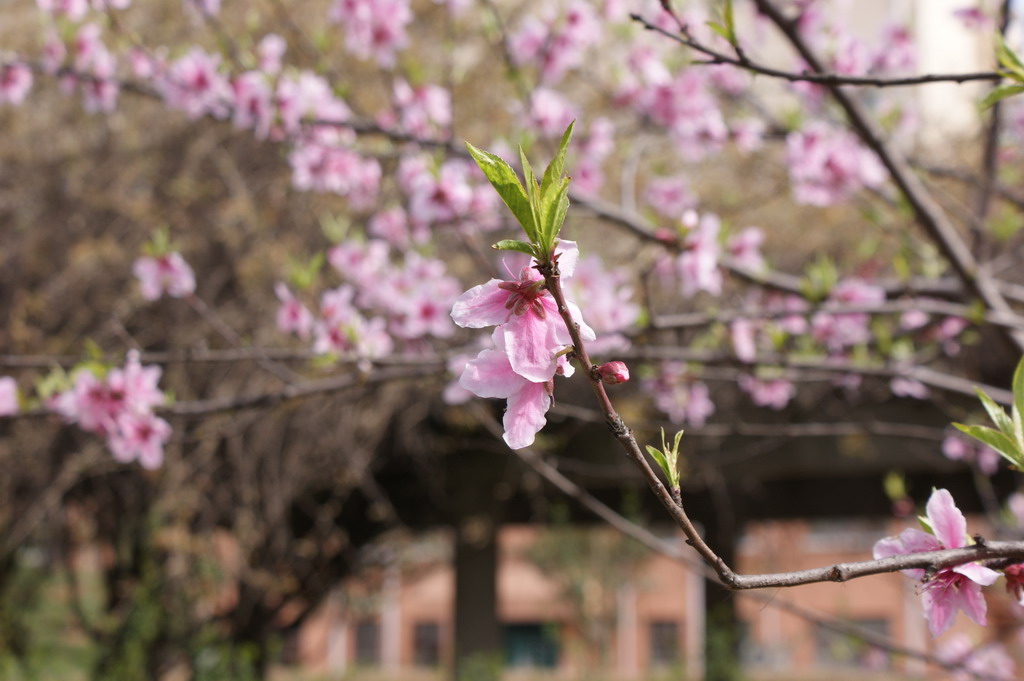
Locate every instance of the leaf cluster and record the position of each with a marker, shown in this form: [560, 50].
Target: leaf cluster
[1013, 68]
[667, 458]
[1007, 437]
[539, 207]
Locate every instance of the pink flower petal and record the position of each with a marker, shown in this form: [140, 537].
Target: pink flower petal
[979, 574]
[531, 343]
[524, 416]
[947, 521]
[481, 306]
[491, 375]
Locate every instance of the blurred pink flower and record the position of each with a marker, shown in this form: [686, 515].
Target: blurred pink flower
[8, 396]
[168, 273]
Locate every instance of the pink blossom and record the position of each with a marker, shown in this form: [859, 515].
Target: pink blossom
[100, 91]
[491, 375]
[949, 589]
[292, 316]
[827, 166]
[609, 295]
[842, 330]
[908, 387]
[698, 264]
[251, 103]
[525, 312]
[373, 28]
[550, 112]
[989, 661]
[422, 109]
[73, 9]
[897, 52]
[748, 134]
[194, 84]
[670, 196]
[8, 396]
[775, 393]
[1015, 504]
[744, 342]
[139, 437]
[269, 51]
[745, 249]
[136, 386]
[688, 110]
[168, 273]
[15, 82]
[957, 448]
[913, 319]
[392, 225]
[679, 396]
[443, 198]
[974, 17]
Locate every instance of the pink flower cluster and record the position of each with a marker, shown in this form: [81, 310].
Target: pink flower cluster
[827, 166]
[406, 310]
[950, 589]
[679, 395]
[374, 29]
[556, 45]
[452, 193]
[774, 393]
[528, 340]
[838, 331]
[610, 306]
[119, 407]
[684, 104]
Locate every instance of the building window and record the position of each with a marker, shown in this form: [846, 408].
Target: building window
[839, 650]
[368, 643]
[531, 645]
[664, 642]
[426, 642]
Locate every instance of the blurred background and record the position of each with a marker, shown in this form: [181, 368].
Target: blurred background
[370, 530]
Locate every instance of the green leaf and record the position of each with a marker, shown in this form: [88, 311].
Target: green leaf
[1009, 59]
[994, 439]
[995, 412]
[1018, 388]
[555, 169]
[1000, 93]
[505, 181]
[513, 245]
[659, 458]
[719, 29]
[533, 196]
[554, 215]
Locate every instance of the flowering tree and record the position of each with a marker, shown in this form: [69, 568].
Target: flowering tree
[684, 112]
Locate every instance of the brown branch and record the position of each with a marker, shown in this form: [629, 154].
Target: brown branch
[819, 77]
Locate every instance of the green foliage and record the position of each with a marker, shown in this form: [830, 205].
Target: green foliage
[726, 25]
[1013, 68]
[302, 275]
[1007, 437]
[819, 279]
[539, 207]
[667, 458]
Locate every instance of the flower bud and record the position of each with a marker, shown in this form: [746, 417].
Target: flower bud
[613, 372]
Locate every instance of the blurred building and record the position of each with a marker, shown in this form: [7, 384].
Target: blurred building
[397, 620]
